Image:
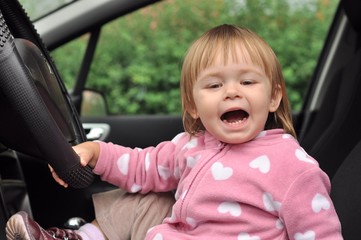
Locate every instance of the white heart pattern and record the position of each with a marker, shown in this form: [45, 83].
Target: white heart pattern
[176, 138]
[232, 208]
[220, 172]
[191, 144]
[123, 163]
[147, 162]
[164, 172]
[191, 222]
[261, 163]
[191, 161]
[286, 136]
[270, 204]
[309, 235]
[320, 202]
[279, 224]
[158, 236]
[302, 156]
[261, 134]
[176, 173]
[135, 188]
[246, 236]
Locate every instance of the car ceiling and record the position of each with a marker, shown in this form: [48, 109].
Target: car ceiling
[86, 14]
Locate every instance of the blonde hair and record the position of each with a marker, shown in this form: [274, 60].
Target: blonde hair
[224, 41]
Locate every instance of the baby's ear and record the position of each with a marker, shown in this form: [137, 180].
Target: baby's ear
[275, 99]
[193, 113]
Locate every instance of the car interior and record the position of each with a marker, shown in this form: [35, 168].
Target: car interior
[332, 132]
[39, 123]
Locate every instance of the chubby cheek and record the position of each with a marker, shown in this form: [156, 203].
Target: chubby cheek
[268, 103]
[193, 105]
[200, 103]
[207, 112]
[204, 112]
[261, 110]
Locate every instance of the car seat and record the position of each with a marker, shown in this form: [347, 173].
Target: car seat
[346, 182]
[334, 129]
[346, 194]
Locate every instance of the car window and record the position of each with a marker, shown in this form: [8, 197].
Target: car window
[138, 58]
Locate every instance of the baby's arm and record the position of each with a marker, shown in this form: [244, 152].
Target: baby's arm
[142, 170]
[307, 210]
[134, 170]
[149, 169]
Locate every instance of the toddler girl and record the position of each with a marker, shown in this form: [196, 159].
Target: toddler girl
[237, 171]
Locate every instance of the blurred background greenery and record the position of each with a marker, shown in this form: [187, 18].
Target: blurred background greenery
[138, 60]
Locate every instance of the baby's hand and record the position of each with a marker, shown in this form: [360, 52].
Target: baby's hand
[88, 153]
[56, 177]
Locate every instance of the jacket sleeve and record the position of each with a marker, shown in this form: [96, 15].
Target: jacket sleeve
[141, 170]
[307, 210]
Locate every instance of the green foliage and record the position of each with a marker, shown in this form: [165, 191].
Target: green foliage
[137, 63]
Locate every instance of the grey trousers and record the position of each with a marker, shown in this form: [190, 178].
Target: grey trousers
[125, 216]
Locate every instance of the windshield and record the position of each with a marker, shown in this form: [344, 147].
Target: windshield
[39, 8]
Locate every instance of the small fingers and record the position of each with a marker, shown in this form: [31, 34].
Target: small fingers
[56, 177]
[82, 161]
[50, 168]
[59, 180]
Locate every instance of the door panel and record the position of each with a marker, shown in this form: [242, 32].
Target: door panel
[137, 131]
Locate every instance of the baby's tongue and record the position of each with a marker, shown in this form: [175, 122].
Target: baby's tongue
[235, 116]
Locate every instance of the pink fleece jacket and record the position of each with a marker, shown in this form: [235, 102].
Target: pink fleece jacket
[268, 188]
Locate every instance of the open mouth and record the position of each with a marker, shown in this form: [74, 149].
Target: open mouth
[234, 117]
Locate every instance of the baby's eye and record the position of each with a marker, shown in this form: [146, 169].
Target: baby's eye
[215, 85]
[246, 82]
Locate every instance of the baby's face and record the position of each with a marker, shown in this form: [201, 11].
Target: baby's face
[233, 101]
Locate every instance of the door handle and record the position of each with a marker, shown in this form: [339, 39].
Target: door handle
[96, 131]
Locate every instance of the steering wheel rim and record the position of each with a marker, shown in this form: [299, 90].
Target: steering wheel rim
[28, 87]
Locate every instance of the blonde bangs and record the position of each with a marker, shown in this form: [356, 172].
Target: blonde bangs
[232, 46]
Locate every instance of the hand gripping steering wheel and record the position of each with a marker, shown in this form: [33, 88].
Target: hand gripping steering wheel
[37, 116]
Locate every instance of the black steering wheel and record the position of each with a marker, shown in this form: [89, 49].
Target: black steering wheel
[37, 115]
